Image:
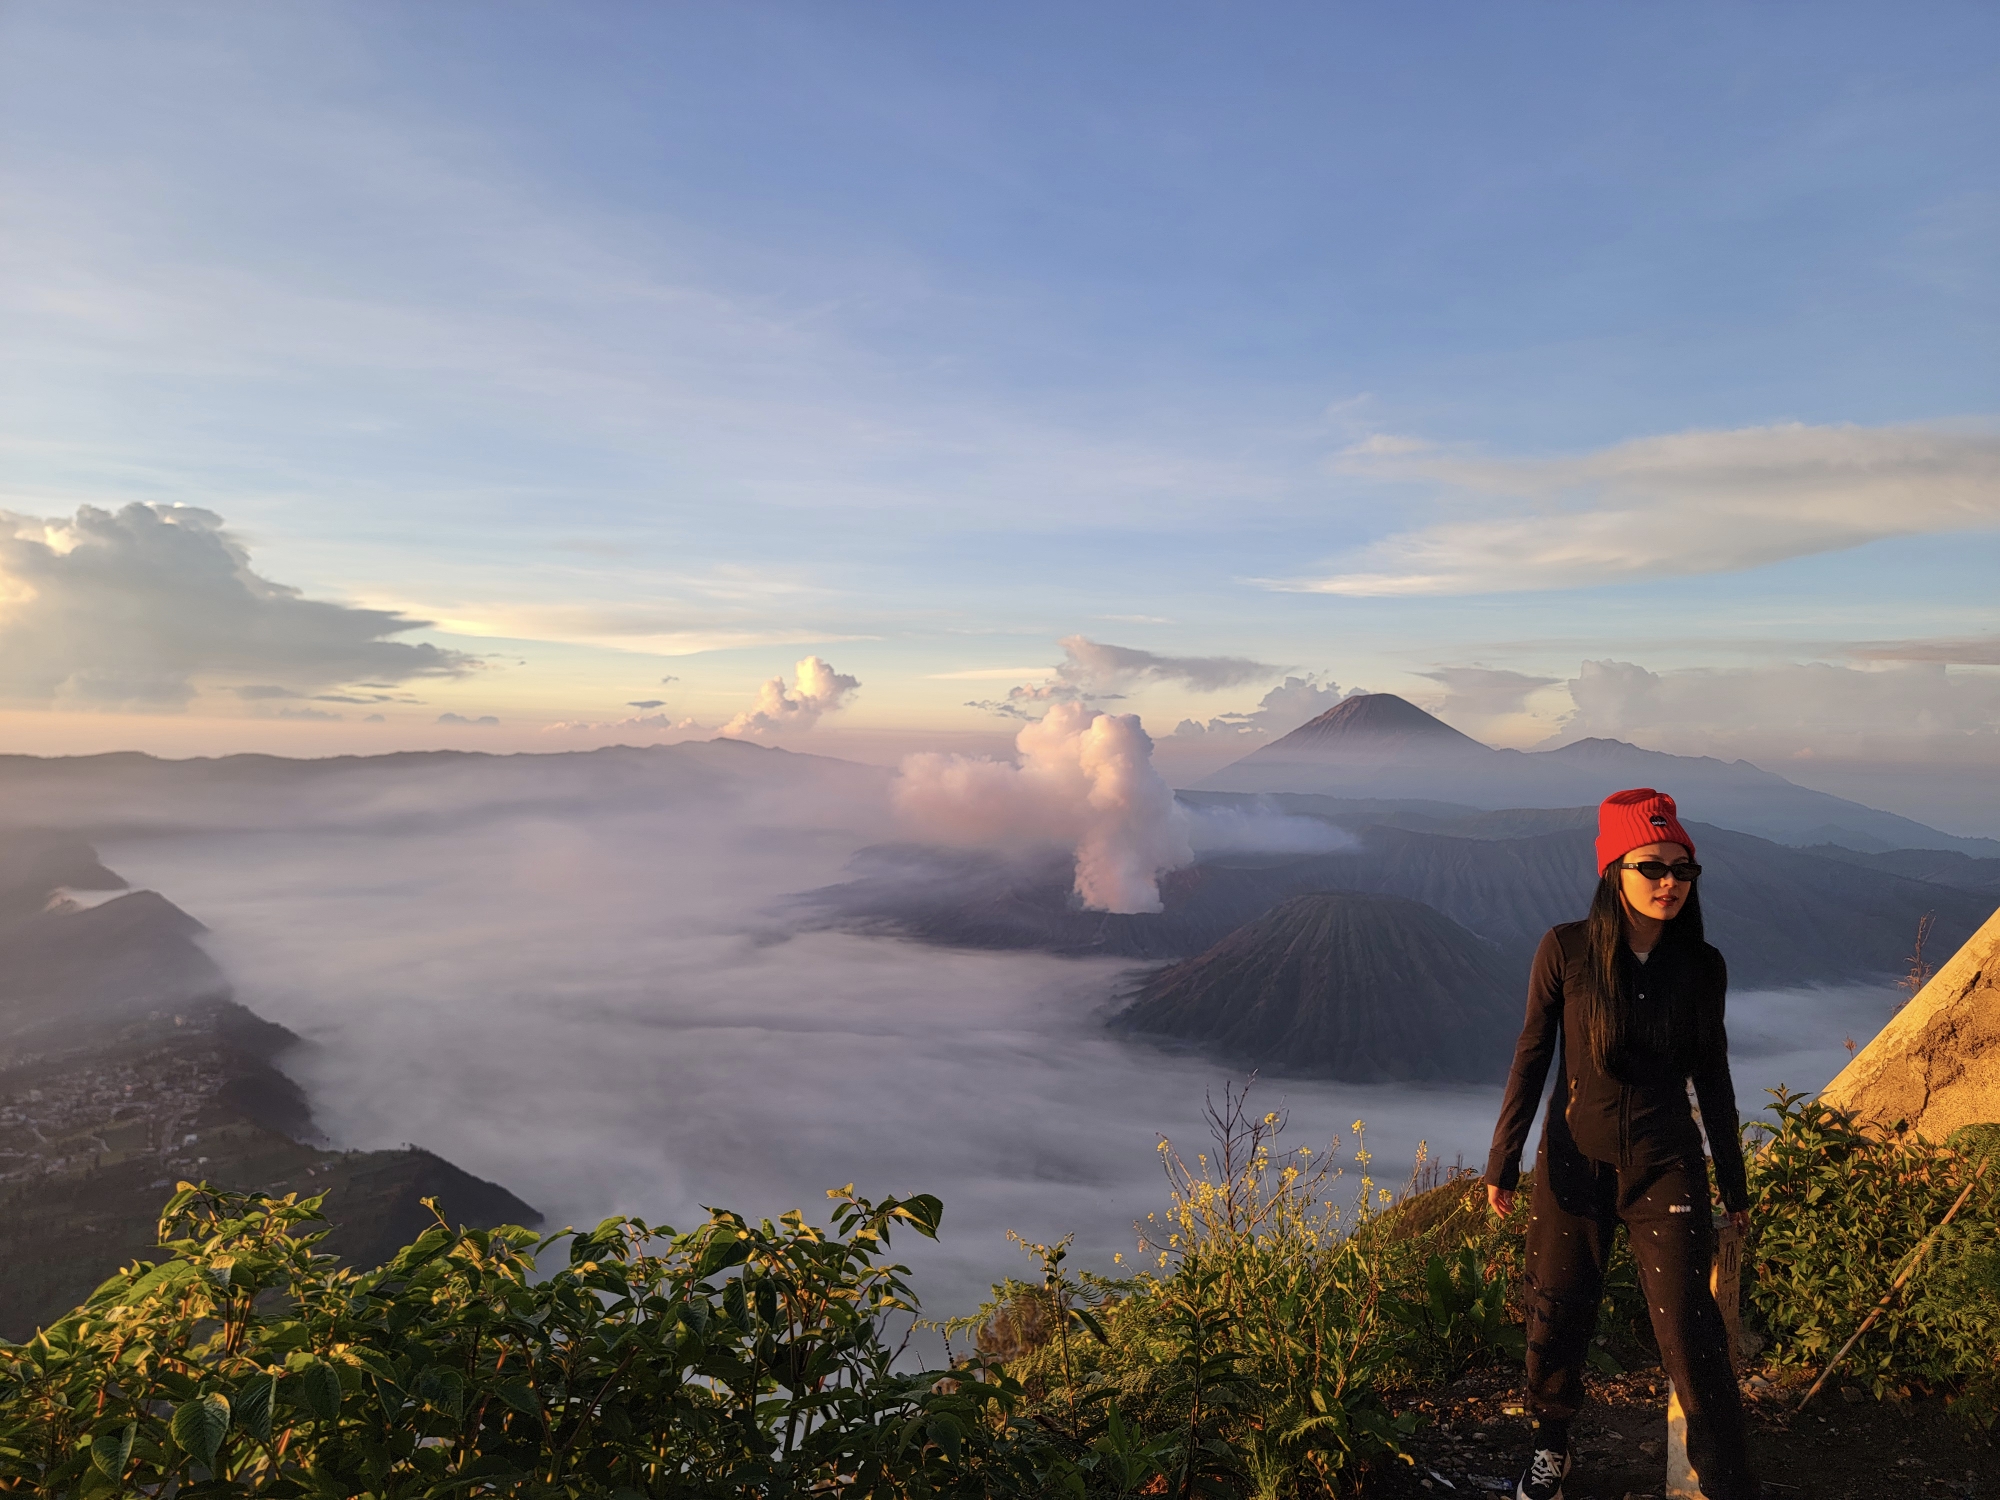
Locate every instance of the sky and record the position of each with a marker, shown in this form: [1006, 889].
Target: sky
[534, 377]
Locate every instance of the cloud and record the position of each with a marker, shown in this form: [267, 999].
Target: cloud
[1969, 651]
[1675, 505]
[1295, 701]
[1791, 703]
[449, 946]
[305, 713]
[646, 703]
[453, 936]
[483, 721]
[139, 606]
[1085, 779]
[1485, 692]
[1094, 664]
[650, 723]
[375, 719]
[1096, 672]
[820, 690]
[714, 622]
[984, 674]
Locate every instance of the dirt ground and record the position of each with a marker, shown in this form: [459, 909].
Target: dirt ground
[1475, 1443]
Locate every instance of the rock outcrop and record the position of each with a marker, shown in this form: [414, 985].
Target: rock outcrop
[1936, 1066]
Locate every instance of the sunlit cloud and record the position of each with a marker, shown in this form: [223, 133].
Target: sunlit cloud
[143, 605]
[1097, 672]
[817, 690]
[1293, 702]
[1676, 505]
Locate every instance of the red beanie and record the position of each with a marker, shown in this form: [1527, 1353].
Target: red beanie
[1631, 820]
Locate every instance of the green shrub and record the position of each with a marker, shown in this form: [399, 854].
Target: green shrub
[736, 1359]
[1838, 1213]
[1257, 1352]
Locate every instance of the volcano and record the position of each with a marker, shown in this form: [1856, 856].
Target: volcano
[1365, 988]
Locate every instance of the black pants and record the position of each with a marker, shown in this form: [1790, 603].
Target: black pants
[1574, 1212]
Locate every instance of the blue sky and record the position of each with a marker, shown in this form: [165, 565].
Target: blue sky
[626, 342]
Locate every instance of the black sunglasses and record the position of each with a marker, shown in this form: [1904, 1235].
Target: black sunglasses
[1653, 869]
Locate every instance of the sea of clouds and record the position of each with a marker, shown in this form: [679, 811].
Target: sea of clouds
[584, 987]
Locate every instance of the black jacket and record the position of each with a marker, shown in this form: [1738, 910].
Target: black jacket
[1637, 1115]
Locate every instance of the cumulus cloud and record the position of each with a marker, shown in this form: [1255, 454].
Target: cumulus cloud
[483, 721]
[1096, 672]
[142, 605]
[1295, 701]
[1085, 779]
[818, 690]
[1685, 503]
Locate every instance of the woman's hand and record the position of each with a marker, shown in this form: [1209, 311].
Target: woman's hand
[1501, 1200]
[1739, 1219]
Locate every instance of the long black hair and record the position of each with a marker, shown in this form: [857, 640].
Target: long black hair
[1612, 1025]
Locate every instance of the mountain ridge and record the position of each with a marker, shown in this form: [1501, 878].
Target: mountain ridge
[1784, 918]
[126, 1065]
[1387, 753]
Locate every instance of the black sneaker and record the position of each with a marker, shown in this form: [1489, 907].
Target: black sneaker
[1544, 1479]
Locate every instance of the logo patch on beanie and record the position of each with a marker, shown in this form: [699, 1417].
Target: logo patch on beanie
[1658, 820]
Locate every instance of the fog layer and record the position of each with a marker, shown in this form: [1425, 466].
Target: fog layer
[586, 996]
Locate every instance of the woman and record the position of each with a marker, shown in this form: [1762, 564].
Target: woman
[1630, 1002]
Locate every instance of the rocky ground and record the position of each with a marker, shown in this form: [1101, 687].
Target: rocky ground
[1476, 1441]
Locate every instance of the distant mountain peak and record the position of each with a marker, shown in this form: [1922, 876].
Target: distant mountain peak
[1375, 719]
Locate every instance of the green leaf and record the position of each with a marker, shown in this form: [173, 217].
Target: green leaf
[944, 1430]
[199, 1425]
[254, 1400]
[319, 1388]
[425, 1247]
[736, 1306]
[110, 1453]
[442, 1387]
[924, 1211]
